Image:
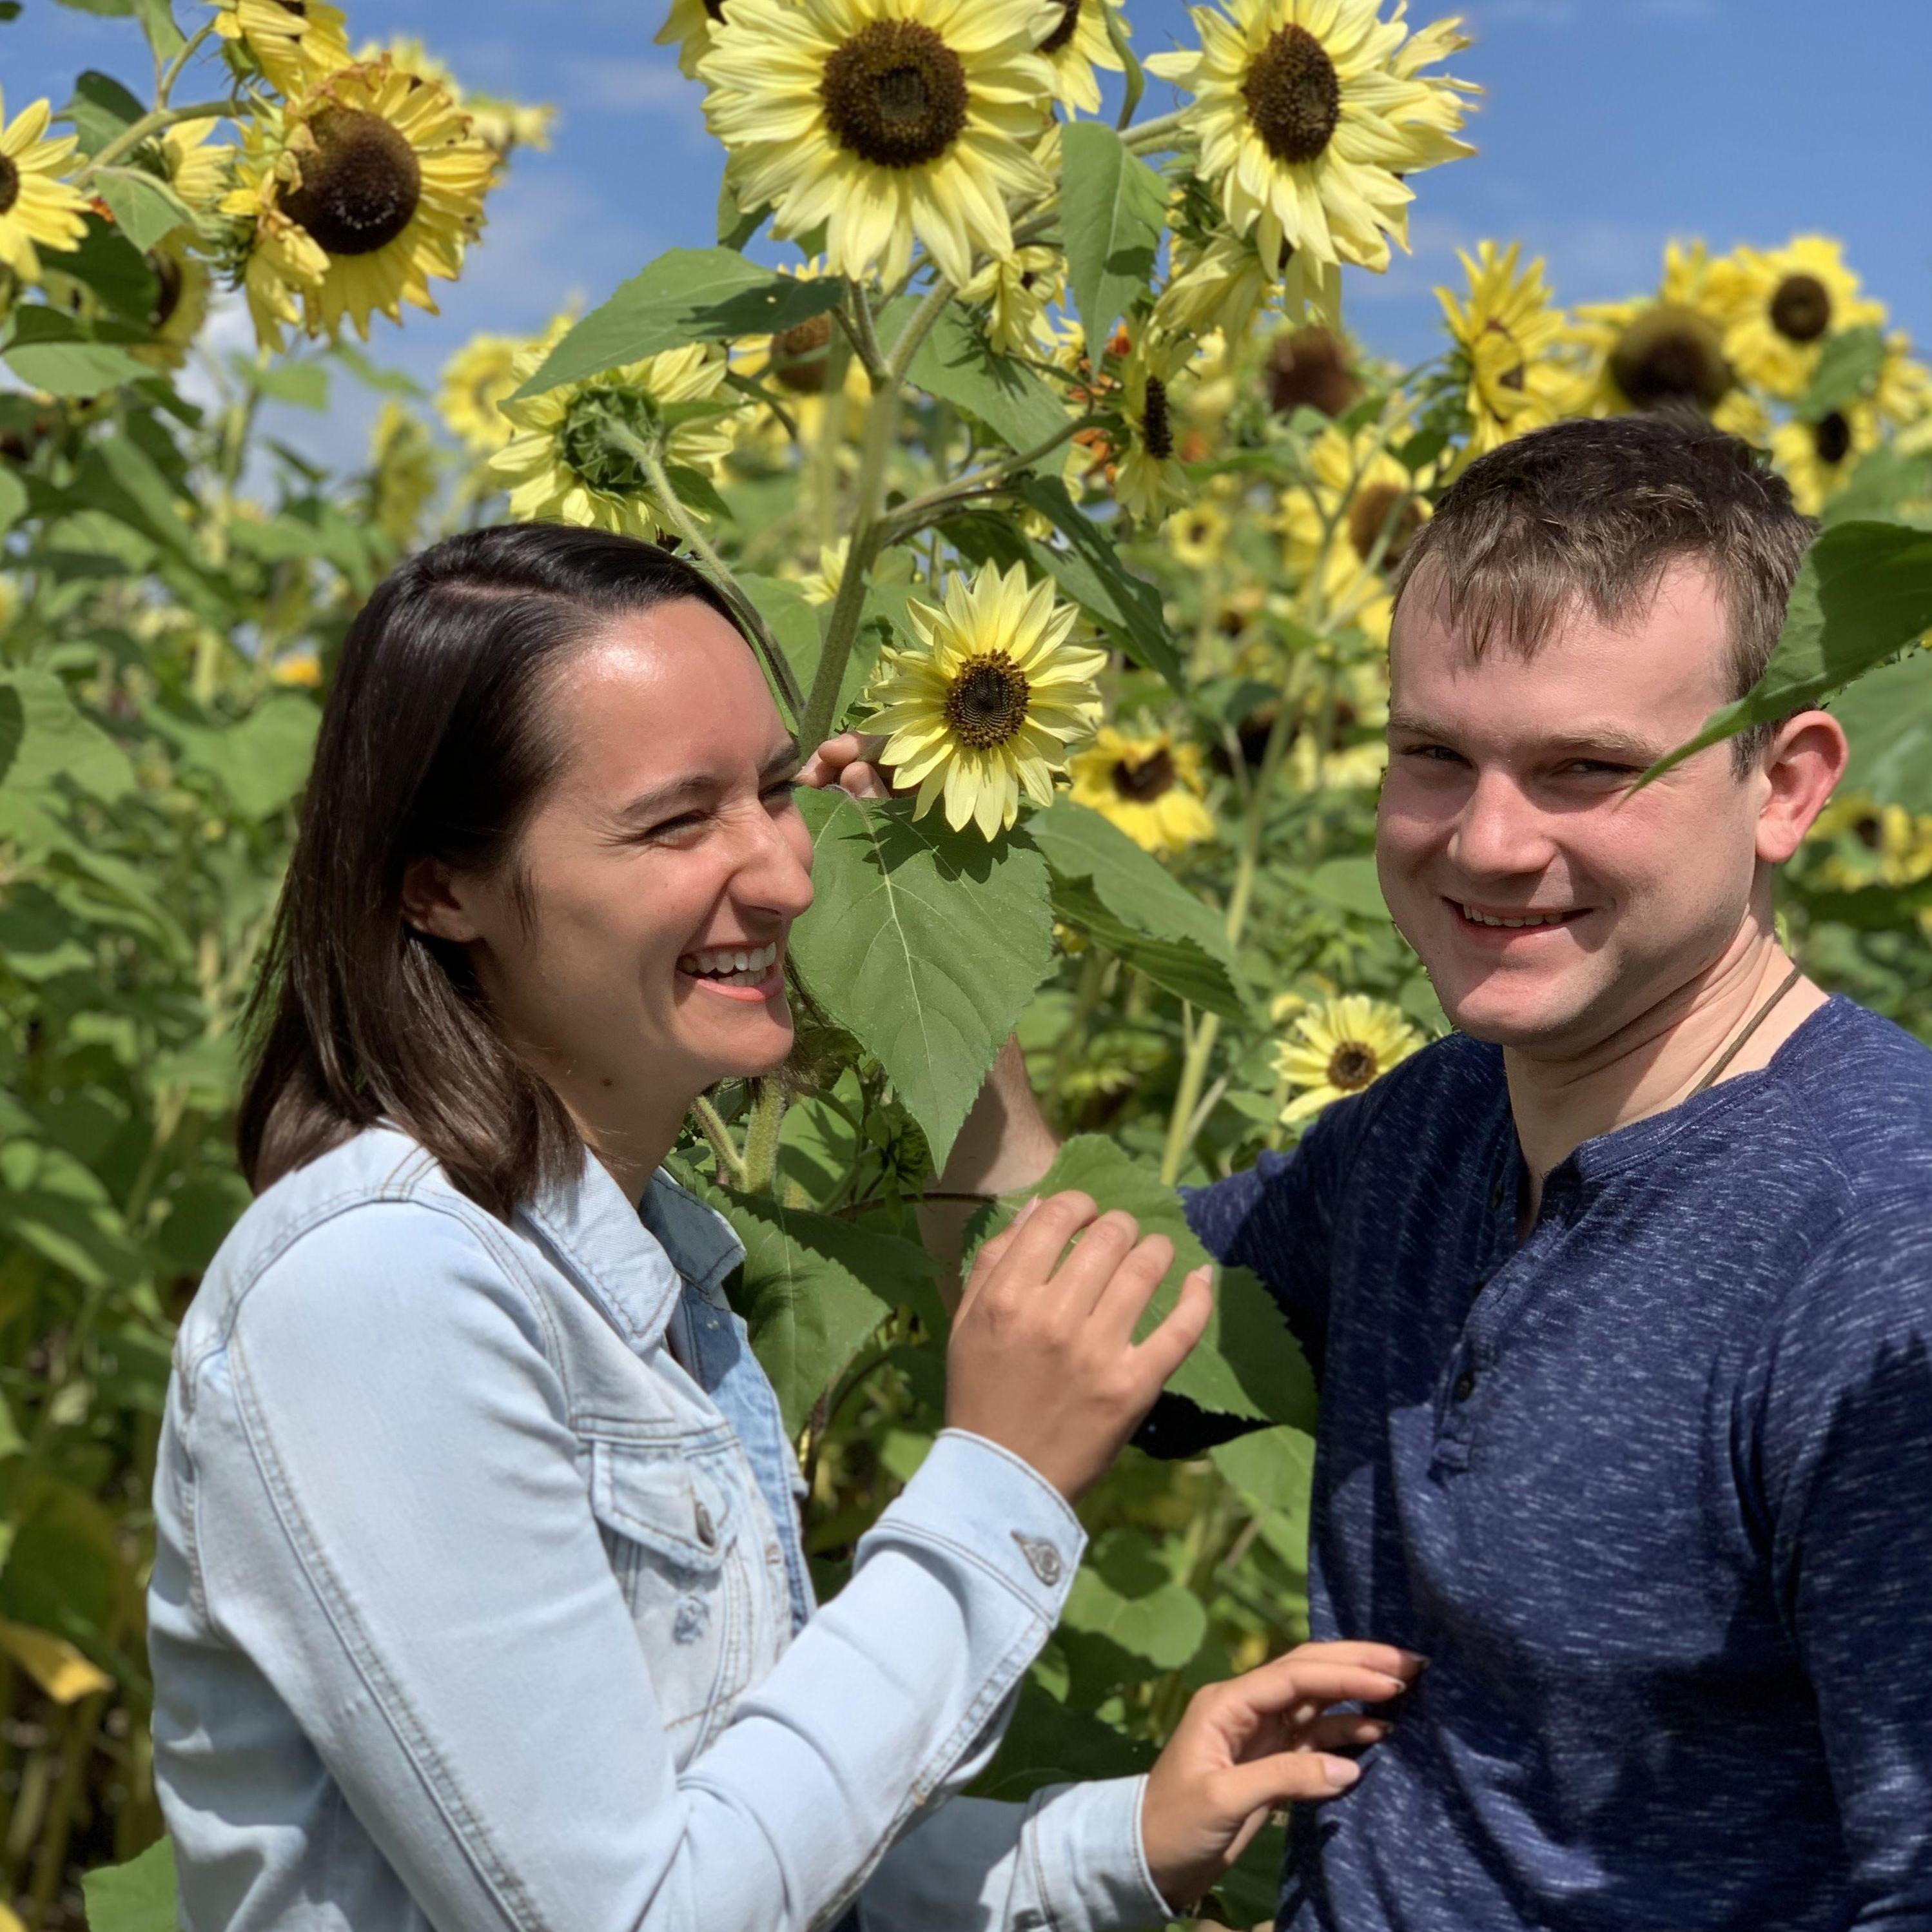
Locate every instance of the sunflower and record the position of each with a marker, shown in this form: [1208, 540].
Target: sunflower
[199, 170]
[1308, 119]
[1147, 785]
[1148, 479]
[1785, 303]
[1888, 845]
[481, 376]
[1076, 43]
[377, 171]
[402, 476]
[1196, 534]
[1817, 458]
[820, 585]
[1338, 1048]
[1369, 506]
[1663, 352]
[1505, 331]
[183, 283]
[36, 205]
[688, 28]
[1016, 290]
[574, 459]
[293, 42]
[1221, 282]
[1902, 394]
[884, 120]
[990, 702]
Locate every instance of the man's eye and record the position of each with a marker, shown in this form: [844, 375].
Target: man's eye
[1438, 754]
[1600, 768]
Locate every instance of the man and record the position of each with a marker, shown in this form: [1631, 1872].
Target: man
[1621, 1296]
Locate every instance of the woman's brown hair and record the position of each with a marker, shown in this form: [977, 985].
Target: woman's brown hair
[435, 743]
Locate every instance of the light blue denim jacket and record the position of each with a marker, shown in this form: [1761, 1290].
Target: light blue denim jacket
[478, 1600]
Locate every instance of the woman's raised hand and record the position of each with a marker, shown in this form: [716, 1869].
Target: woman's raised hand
[849, 762]
[1043, 1359]
[1263, 1739]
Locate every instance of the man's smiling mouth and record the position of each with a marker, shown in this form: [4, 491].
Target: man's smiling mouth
[1516, 921]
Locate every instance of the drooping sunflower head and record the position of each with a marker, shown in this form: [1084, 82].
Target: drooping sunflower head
[1311, 112]
[1783, 305]
[1817, 457]
[1338, 1048]
[292, 43]
[378, 173]
[198, 166]
[990, 701]
[38, 209]
[1506, 331]
[1076, 43]
[481, 376]
[887, 121]
[1016, 290]
[402, 473]
[1311, 368]
[797, 359]
[579, 454]
[1148, 479]
[1148, 784]
[183, 284]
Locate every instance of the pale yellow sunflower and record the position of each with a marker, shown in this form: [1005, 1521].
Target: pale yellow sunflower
[887, 121]
[481, 376]
[1784, 304]
[376, 171]
[1148, 479]
[1221, 283]
[1340, 1047]
[1817, 458]
[1077, 43]
[574, 458]
[1663, 352]
[1196, 535]
[183, 284]
[821, 584]
[199, 167]
[990, 702]
[688, 27]
[1902, 394]
[38, 209]
[1506, 330]
[1148, 784]
[293, 43]
[1309, 119]
[1016, 290]
[1354, 516]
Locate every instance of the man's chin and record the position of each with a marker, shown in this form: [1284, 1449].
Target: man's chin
[1516, 1016]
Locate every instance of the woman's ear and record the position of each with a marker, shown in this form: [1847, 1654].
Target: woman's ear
[433, 904]
[1807, 759]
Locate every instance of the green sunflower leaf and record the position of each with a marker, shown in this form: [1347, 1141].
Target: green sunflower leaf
[50, 350]
[925, 944]
[136, 1896]
[115, 269]
[710, 295]
[101, 107]
[813, 1288]
[958, 364]
[1124, 1595]
[1112, 206]
[144, 208]
[1888, 716]
[1247, 1363]
[1124, 900]
[1864, 593]
[1848, 365]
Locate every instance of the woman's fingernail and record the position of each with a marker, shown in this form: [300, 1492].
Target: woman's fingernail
[1032, 1201]
[1341, 1772]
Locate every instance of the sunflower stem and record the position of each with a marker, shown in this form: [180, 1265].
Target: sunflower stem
[164, 81]
[868, 527]
[1136, 80]
[652, 460]
[917, 514]
[1157, 133]
[864, 338]
[131, 136]
[711, 1124]
[761, 1137]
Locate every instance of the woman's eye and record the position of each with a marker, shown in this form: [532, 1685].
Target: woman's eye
[671, 828]
[781, 792]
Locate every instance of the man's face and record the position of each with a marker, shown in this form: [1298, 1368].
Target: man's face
[1509, 799]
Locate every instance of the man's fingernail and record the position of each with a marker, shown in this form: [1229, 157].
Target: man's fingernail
[1341, 1772]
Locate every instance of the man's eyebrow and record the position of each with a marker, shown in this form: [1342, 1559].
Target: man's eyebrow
[1614, 739]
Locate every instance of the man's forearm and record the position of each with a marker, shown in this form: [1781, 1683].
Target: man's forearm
[1006, 1145]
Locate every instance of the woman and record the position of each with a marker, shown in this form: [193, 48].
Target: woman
[478, 1598]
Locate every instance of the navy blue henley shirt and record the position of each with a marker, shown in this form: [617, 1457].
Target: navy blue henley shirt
[1653, 1491]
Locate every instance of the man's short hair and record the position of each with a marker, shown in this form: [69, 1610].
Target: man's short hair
[1589, 514]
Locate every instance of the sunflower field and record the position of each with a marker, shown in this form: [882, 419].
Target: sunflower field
[1029, 436]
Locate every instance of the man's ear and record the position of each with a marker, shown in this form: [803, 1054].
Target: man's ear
[1805, 761]
[433, 904]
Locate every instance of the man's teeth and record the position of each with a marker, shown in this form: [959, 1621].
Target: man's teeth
[1527, 919]
[731, 965]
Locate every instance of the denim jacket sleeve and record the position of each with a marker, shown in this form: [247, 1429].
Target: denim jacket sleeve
[390, 1520]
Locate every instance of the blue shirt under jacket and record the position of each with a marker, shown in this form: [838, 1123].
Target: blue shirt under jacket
[1652, 1489]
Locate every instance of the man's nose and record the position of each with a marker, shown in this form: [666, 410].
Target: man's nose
[1499, 831]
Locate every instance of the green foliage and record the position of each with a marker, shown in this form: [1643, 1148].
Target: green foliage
[137, 1897]
[1111, 204]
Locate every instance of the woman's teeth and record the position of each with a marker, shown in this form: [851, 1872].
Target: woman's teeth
[1527, 919]
[730, 965]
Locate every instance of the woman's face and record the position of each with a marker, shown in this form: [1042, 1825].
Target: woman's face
[665, 866]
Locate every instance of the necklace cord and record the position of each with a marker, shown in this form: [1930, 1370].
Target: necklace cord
[1750, 1026]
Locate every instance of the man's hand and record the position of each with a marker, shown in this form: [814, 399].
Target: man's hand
[850, 762]
[1256, 1741]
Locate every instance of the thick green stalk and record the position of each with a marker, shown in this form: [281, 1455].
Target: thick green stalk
[761, 1136]
[711, 1124]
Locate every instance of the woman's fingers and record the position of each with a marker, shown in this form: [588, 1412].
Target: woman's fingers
[1029, 1257]
[1169, 1346]
[849, 761]
[1289, 1777]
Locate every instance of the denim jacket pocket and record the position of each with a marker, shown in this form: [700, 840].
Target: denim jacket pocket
[669, 1514]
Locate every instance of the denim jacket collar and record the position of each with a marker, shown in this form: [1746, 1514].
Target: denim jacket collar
[636, 1261]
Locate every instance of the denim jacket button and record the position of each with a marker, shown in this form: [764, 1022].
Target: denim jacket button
[1041, 1558]
[707, 1531]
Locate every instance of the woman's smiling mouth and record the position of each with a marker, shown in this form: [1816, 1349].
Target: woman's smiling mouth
[743, 971]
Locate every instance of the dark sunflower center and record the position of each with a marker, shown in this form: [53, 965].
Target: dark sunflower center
[1832, 438]
[299, 8]
[1311, 366]
[1157, 425]
[1668, 356]
[798, 355]
[1293, 95]
[1063, 28]
[986, 703]
[1871, 833]
[715, 9]
[10, 184]
[1801, 308]
[1384, 506]
[168, 279]
[592, 440]
[895, 94]
[1141, 781]
[1351, 1067]
[359, 187]
[1511, 378]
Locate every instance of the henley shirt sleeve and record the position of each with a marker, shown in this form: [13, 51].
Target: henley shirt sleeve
[1841, 1436]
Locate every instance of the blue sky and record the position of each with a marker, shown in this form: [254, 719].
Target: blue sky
[1606, 127]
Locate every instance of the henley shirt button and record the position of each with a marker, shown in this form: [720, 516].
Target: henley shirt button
[1041, 1558]
[1465, 1385]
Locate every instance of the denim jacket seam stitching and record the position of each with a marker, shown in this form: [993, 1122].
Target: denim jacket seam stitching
[1030, 1837]
[900, 1526]
[390, 1699]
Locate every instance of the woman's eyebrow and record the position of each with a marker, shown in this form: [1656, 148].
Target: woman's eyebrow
[695, 786]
